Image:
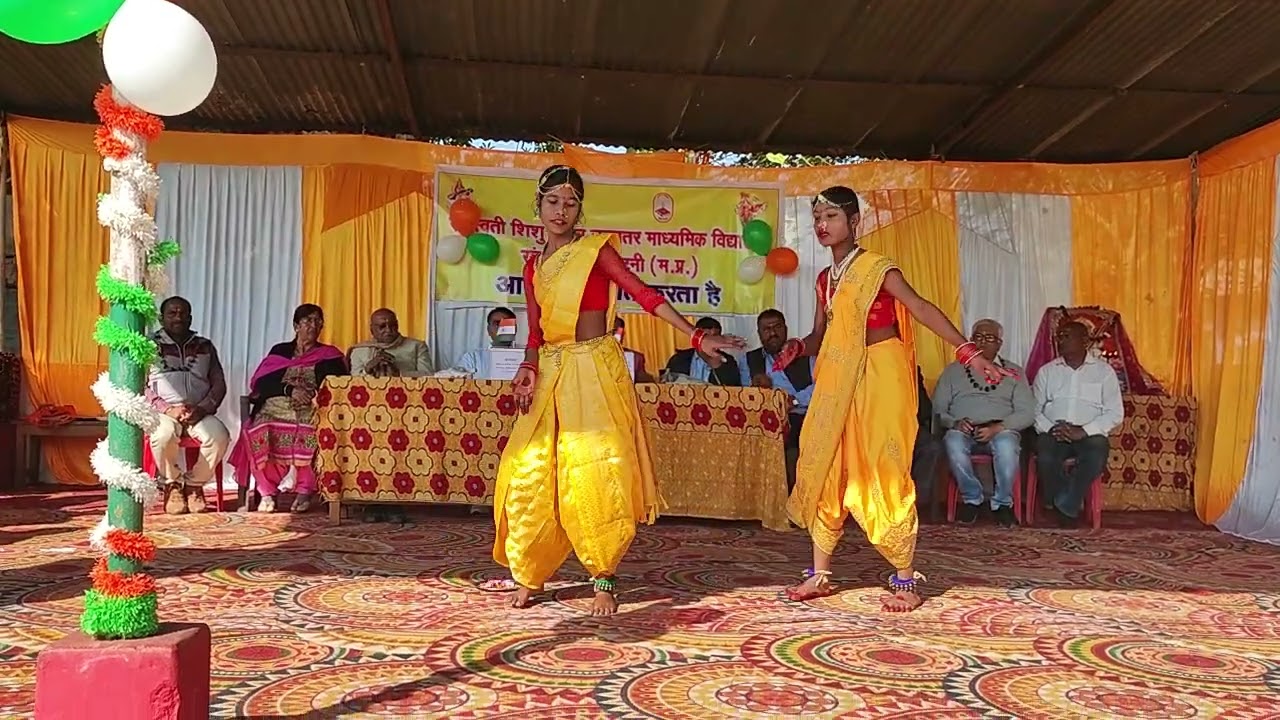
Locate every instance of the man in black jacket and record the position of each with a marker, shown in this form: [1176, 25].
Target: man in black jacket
[714, 369]
[796, 380]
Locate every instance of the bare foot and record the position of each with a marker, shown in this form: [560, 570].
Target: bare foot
[816, 586]
[521, 598]
[604, 604]
[901, 601]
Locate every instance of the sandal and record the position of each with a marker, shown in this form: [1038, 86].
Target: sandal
[822, 586]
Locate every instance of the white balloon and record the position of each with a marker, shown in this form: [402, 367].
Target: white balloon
[751, 271]
[159, 57]
[451, 249]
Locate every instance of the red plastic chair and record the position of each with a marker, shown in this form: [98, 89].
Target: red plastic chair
[953, 488]
[1092, 499]
[192, 446]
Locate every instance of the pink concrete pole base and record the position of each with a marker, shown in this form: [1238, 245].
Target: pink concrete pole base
[165, 677]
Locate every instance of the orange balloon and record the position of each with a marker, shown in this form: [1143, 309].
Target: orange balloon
[464, 216]
[782, 261]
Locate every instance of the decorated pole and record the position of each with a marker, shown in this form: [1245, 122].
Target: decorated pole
[122, 601]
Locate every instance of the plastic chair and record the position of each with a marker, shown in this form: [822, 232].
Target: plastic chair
[1092, 499]
[953, 488]
[192, 446]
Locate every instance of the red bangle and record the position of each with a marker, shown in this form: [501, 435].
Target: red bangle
[695, 340]
[967, 352]
[526, 365]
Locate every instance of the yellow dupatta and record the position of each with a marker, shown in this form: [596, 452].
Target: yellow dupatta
[839, 372]
[577, 471]
[559, 281]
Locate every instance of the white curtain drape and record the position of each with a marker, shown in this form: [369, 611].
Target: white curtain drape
[795, 294]
[1255, 511]
[1015, 261]
[240, 229]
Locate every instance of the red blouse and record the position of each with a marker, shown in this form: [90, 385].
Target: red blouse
[882, 313]
[609, 268]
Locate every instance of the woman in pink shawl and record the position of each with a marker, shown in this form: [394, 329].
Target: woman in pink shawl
[281, 433]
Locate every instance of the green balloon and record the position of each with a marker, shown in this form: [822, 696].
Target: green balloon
[53, 22]
[758, 237]
[483, 248]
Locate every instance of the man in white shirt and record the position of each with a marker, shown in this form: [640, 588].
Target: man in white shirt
[472, 361]
[1078, 404]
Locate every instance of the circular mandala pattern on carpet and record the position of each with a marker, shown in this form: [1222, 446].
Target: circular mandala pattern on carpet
[384, 689]
[552, 659]
[17, 687]
[56, 604]
[370, 602]
[556, 712]
[224, 529]
[1237, 623]
[1127, 606]
[714, 577]
[1005, 618]
[857, 660]
[708, 688]
[1033, 690]
[1136, 658]
[683, 532]
[52, 568]
[983, 554]
[647, 542]
[707, 553]
[402, 564]
[1273, 681]
[260, 570]
[253, 656]
[1103, 579]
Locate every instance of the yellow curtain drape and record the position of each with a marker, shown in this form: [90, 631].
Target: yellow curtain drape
[1235, 217]
[366, 244]
[926, 247]
[1130, 252]
[59, 246]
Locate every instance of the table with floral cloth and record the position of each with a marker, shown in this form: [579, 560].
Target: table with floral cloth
[1153, 455]
[718, 452]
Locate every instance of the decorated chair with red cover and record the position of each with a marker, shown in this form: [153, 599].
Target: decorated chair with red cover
[1152, 456]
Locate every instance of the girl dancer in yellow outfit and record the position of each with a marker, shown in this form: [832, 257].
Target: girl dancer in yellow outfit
[855, 448]
[577, 473]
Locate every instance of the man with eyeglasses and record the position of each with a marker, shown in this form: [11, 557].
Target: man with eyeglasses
[986, 419]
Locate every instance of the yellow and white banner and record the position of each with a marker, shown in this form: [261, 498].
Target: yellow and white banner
[684, 238]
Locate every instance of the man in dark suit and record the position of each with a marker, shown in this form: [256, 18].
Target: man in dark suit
[714, 369]
[796, 380]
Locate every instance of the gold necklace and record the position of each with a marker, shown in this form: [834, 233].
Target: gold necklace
[836, 273]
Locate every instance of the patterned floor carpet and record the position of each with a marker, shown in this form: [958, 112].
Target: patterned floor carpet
[312, 621]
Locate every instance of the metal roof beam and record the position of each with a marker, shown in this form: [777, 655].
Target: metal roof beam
[1173, 48]
[383, 10]
[1053, 45]
[1216, 102]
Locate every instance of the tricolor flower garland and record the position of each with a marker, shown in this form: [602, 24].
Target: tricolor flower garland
[122, 604]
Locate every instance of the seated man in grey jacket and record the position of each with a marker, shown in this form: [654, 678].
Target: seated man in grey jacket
[989, 418]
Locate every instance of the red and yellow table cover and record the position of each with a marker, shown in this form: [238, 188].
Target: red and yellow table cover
[718, 452]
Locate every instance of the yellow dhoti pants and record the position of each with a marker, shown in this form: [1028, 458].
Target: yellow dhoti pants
[577, 473]
[870, 476]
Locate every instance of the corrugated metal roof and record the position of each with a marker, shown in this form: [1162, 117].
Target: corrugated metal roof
[1087, 80]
